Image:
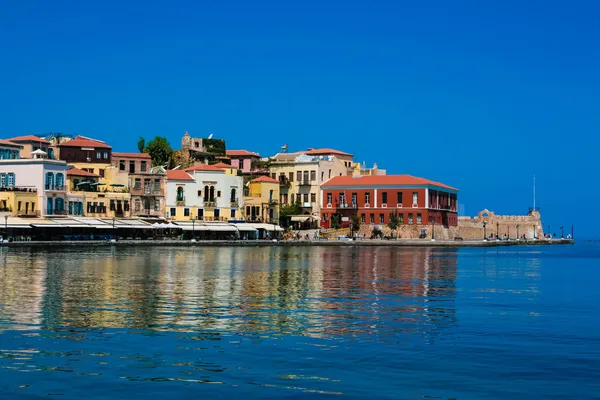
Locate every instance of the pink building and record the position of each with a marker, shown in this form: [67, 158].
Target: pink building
[242, 159]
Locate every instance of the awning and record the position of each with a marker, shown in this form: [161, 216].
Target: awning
[96, 184]
[196, 228]
[9, 226]
[220, 228]
[300, 218]
[116, 185]
[47, 225]
[244, 228]
[93, 222]
[267, 227]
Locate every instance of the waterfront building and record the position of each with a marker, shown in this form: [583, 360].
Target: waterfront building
[18, 201]
[417, 201]
[90, 197]
[29, 144]
[204, 192]
[90, 155]
[243, 159]
[45, 177]
[204, 150]
[261, 200]
[300, 175]
[9, 150]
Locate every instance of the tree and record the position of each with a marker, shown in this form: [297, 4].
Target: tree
[287, 210]
[160, 150]
[335, 222]
[394, 221]
[181, 157]
[355, 223]
[141, 144]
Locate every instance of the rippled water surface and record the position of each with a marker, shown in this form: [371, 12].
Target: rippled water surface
[274, 322]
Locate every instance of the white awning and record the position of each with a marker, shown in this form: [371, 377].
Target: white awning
[267, 227]
[191, 228]
[244, 227]
[18, 226]
[220, 228]
[94, 222]
[300, 218]
[47, 225]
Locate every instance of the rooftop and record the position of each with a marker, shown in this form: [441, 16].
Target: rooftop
[241, 153]
[382, 180]
[9, 143]
[82, 141]
[205, 167]
[132, 155]
[178, 175]
[326, 152]
[28, 138]
[80, 172]
[267, 179]
[222, 165]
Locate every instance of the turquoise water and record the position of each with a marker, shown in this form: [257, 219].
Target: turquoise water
[396, 323]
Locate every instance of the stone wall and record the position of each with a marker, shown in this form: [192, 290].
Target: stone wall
[512, 225]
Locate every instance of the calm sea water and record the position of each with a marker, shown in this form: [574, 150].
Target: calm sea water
[298, 323]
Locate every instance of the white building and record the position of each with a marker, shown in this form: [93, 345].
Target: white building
[48, 177]
[204, 192]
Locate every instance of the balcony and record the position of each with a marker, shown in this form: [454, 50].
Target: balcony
[148, 213]
[27, 213]
[304, 183]
[18, 189]
[210, 203]
[284, 182]
[59, 188]
[352, 206]
[234, 203]
[180, 201]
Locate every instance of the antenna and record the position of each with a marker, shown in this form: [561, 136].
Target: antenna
[210, 136]
[284, 148]
[534, 192]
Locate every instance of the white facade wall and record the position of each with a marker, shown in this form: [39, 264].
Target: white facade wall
[32, 173]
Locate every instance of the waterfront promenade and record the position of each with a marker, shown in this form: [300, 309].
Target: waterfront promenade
[295, 243]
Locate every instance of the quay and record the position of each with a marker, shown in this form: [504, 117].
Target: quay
[290, 243]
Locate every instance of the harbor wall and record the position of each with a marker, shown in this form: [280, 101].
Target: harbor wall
[514, 226]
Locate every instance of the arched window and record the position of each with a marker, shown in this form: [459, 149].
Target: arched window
[49, 181]
[60, 180]
[233, 197]
[212, 193]
[179, 194]
[206, 193]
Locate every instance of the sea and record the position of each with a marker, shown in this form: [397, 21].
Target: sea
[300, 322]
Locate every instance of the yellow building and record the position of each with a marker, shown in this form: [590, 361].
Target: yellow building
[20, 202]
[93, 198]
[261, 200]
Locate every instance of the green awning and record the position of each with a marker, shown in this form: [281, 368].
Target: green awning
[116, 185]
[96, 184]
[83, 183]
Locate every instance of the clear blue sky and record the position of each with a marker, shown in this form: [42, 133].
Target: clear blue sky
[479, 95]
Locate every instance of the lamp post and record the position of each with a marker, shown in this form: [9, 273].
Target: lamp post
[562, 232]
[484, 233]
[518, 232]
[433, 229]
[508, 232]
[6, 226]
[113, 228]
[549, 231]
[534, 231]
[497, 230]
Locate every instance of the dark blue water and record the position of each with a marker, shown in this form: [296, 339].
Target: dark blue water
[397, 323]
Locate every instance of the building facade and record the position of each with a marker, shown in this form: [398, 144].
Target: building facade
[9, 150]
[301, 174]
[416, 201]
[29, 144]
[204, 192]
[87, 154]
[261, 200]
[90, 197]
[242, 159]
[46, 177]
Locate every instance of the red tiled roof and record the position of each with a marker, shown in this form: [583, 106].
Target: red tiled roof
[29, 138]
[131, 155]
[323, 152]
[222, 165]
[80, 172]
[204, 167]
[382, 180]
[8, 143]
[81, 141]
[241, 153]
[178, 175]
[264, 179]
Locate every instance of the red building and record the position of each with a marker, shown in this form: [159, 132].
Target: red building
[417, 201]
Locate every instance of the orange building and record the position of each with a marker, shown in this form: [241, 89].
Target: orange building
[417, 201]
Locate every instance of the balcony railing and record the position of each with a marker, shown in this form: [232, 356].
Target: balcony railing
[17, 189]
[28, 213]
[210, 203]
[55, 187]
[180, 201]
[346, 205]
[304, 183]
[233, 203]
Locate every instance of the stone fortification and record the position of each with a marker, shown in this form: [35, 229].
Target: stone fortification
[513, 225]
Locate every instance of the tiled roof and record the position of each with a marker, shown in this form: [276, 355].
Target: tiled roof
[204, 167]
[132, 155]
[8, 143]
[222, 165]
[80, 172]
[29, 138]
[324, 152]
[241, 153]
[264, 179]
[382, 180]
[178, 175]
[81, 141]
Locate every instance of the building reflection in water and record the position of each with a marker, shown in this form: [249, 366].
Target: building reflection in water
[320, 291]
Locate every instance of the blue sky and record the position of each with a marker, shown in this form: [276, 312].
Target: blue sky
[478, 95]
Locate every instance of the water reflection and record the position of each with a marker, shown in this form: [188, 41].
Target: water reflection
[316, 292]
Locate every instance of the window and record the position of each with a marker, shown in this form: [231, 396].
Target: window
[384, 198]
[313, 175]
[292, 197]
[106, 155]
[415, 198]
[305, 176]
[313, 197]
[401, 218]
[342, 199]
[322, 175]
[200, 214]
[372, 218]
[218, 193]
[233, 213]
[126, 205]
[299, 176]
[329, 198]
[3, 180]
[137, 205]
[233, 197]
[354, 199]
[11, 179]
[98, 155]
[399, 197]
[157, 185]
[49, 181]
[137, 184]
[329, 174]
[186, 212]
[419, 219]
[144, 166]
[368, 198]
[121, 165]
[217, 213]
[199, 193]
[270, 196]
[410, 219]
[101, 173]
[381, 219]
[131, 167]
[101, 207]
[363, 218]
[273, 175]
[179, 194]
[285, 199]
[291, 175]
[147, 185]
[60, 180]
[111, 205]
[306, 197]
[19, 206]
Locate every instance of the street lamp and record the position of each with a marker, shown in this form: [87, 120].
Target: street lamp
[6, 226]
[518, 231]
[549, 231]
[433, 229]
[484, 233]
[562, 232]
[508, 232]
[497, 230]
[113, 228]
